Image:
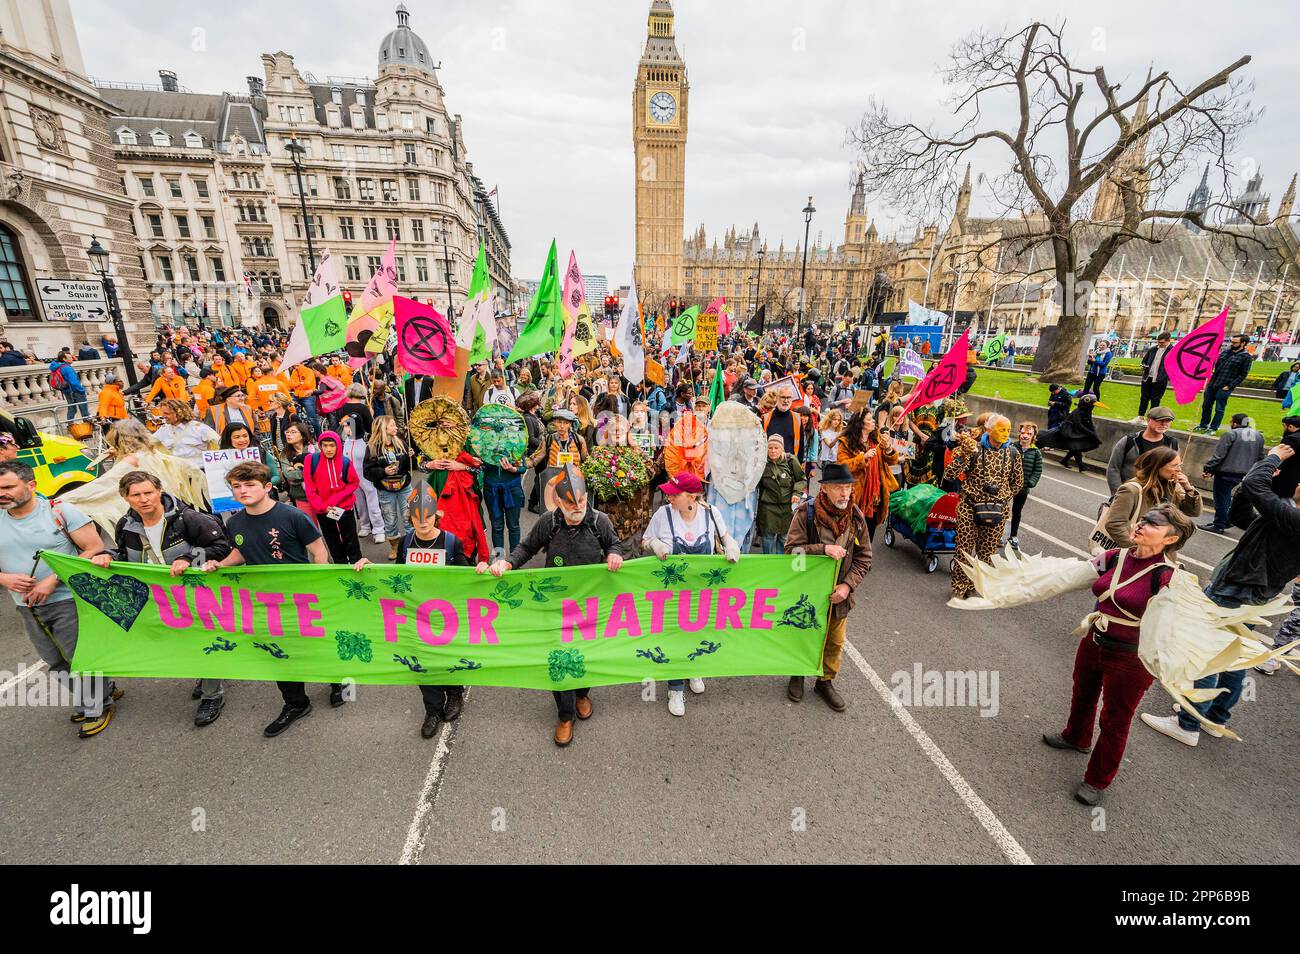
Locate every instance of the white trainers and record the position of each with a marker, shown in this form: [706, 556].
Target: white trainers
[1269, 667]
[1168, 725]
[697, 686]
[677, 702]
[379, 538]
[1014, 542]
[1138, 420]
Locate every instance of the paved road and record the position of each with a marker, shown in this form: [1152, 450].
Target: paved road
[745, 776]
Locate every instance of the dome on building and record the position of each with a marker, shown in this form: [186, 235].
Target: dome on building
[402, 47]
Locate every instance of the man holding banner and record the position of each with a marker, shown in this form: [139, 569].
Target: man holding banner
[158, 528]
[833, 526]
[268, 533]
[572, 534]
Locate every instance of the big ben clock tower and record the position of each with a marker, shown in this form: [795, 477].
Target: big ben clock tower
[659, 143]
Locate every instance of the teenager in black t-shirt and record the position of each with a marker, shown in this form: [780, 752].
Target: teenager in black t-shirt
[426, 545]
[267, 533]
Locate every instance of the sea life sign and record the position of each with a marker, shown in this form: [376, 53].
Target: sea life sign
[553, 628]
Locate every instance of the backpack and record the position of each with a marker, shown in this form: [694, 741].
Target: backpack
[313, 461]
[57, 380]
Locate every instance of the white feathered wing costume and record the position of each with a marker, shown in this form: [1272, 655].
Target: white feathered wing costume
[101, 502]
[1184, 635]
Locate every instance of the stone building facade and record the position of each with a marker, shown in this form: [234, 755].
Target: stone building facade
[59, 186]
[380, 159]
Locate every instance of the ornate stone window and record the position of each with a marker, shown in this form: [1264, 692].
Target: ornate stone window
[15, 290]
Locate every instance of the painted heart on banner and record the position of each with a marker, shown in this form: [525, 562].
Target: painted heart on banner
[121, 598]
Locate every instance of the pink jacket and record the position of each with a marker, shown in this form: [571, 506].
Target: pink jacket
[330, 482]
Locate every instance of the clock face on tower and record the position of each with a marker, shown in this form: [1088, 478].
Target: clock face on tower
[662, 107]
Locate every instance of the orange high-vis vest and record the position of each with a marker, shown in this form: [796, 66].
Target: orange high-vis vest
[204, 392]
[302, 380]
[112, 406]
[169, 389]
[261, 389]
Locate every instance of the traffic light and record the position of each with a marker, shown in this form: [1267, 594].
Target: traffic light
[611, 306]
[347, 301]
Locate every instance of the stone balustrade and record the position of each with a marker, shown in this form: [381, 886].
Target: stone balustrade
[25, 391]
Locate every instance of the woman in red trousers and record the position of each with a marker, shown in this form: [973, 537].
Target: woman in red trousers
[1106, 665]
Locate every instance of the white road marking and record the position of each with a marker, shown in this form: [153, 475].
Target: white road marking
[21, 677]
[1005, 841]
[1091, 521]
[1206, 507]
[1060, 543]
[418, 830]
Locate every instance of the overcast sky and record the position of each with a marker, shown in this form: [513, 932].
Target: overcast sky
[545, 90]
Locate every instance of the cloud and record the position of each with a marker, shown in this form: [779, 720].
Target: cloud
[545, 90]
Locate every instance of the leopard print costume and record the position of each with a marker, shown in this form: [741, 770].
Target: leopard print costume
[990, 476]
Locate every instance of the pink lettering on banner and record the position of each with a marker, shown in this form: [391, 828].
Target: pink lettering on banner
[482, 614]
[572, 617]
[210, 611]
[272, 601]
[657, 599]
[392, 618]
[447, 629]
[730, 602]
[307, 615]
[181, 618]
[762, 610]
[623, 616]
[704, 603]
[246, 612]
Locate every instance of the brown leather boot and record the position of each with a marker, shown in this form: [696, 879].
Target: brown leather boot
[392, 548]
[563, 732]
[794, 691]
[826, 689]
[584, 707]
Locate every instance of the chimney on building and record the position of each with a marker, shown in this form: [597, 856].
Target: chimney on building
[169, 83]
[255, 87]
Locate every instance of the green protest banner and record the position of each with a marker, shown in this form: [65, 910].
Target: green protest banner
[553, 628]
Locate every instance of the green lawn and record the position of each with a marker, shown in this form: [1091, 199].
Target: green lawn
[1121, 401]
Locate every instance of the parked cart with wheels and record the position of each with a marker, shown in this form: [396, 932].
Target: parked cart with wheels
[927, 516]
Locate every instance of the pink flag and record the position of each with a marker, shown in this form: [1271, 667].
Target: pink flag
[1190, 361]
[425, 343]
[717, 307]
[575, 294]
[945, 377]
[364, 320]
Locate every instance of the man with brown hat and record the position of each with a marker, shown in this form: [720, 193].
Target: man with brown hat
[571, 534]
[833, 526]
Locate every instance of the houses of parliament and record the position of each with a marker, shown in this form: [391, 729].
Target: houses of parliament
[958, 267]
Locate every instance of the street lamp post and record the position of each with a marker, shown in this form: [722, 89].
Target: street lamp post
[803, 271]
[446, 262]
[296, 151]
[98, 256]
[758, 291]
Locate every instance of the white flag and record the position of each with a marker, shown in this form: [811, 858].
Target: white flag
[628, 338]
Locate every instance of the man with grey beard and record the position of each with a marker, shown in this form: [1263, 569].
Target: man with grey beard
[832, 525]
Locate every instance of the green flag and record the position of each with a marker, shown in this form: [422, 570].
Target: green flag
[717, 392]
[478, 284]
[480, 352]
[682, 328]
[994, 349]
[1295, 398]
[322, 318]
[544, 327]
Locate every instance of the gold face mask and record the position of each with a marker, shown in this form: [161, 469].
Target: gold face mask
[1000, 433]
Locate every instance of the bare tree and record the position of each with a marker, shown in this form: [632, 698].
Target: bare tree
[1072, 133]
